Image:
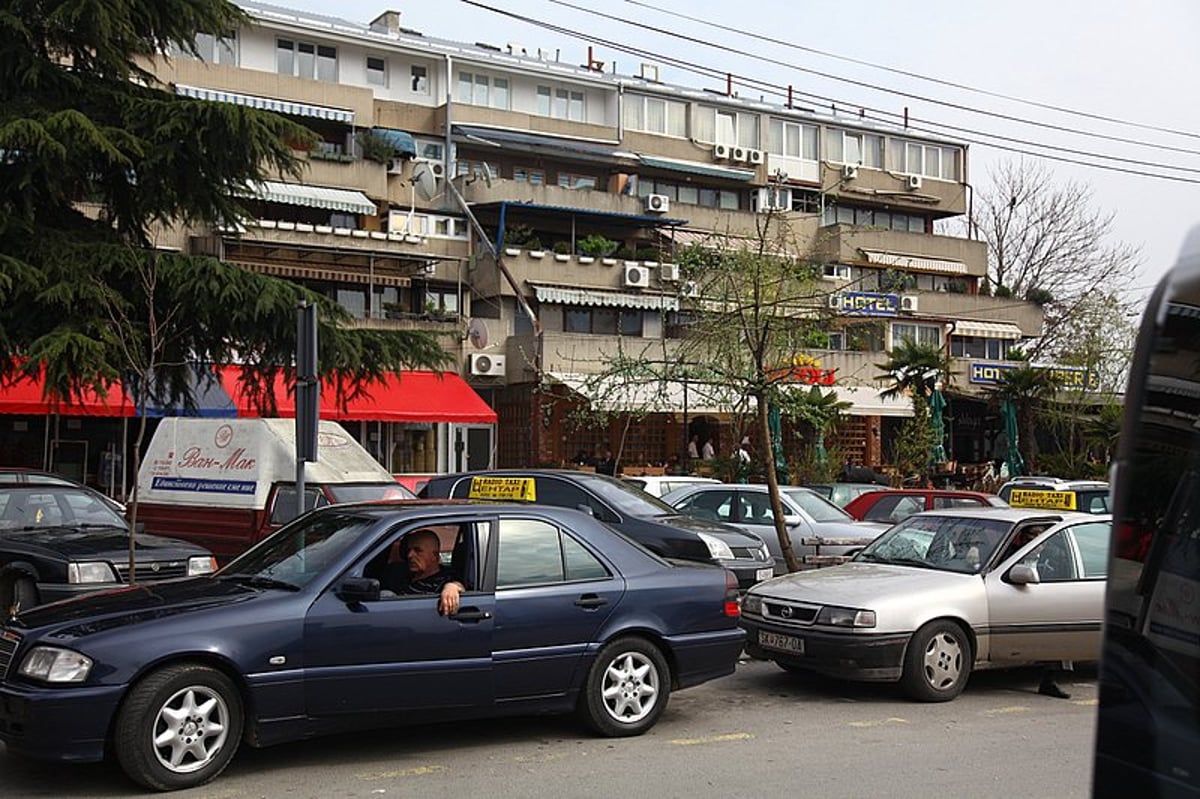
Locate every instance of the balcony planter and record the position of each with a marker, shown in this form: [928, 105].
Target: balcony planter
[323, 228]
[412, 238]
[537, 253]
[359, 234]
[286, 225]
[587, 259]
[267, 224]
[609, 261]
[650, 264]
[341, 231]
[562, 257]
[512, 251]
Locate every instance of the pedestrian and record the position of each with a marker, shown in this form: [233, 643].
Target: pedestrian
[605, 464]
[708, 452]
[742, 459]
[693, 448]
[1051, 673]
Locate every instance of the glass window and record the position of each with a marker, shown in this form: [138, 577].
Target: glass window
[933, 162]
[480, 95]
[727, 127]
[575, 107]
[420, 79]
[950, 162]
[656, 115]
[327, 64]
[633, 114]
[284, 509]
[560, 104]
[1053, 560]
[729, 200]
[581, 564]
[560, 493]
[709, 198]
[689, 194]
[376, 71]
[577, 320]
[1092, 541]
[530, 553]
[285, 57]
[715, 505]
[534, 177]
[676, 119]
[500, 93]
[747, 131]
[354, 301]
[914, 159]
[704, 125]
[543, 100]
[955, 502]
[604, 321]
[466, 87]
[631, 323]
[834, 146]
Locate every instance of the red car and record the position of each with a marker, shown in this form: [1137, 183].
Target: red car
[891, 505]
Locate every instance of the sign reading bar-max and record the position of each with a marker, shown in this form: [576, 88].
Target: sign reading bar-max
[985, 373]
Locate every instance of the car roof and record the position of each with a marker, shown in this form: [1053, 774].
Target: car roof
[943, 492]
[1006, 514]
[1054, 482]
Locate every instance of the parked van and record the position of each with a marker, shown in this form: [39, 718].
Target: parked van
[228, 483]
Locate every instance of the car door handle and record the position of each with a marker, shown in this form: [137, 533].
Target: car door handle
[589, 601]
[471, 615]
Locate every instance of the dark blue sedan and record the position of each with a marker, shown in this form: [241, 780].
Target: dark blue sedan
[314, 631]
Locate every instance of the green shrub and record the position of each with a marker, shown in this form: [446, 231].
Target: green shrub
[596, 246]
[562, 247]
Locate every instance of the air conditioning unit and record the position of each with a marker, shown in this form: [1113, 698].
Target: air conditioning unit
[436, 168]
[738, 153]
[849, 171]
[913, 182]
[722, 152]
[908, 302]
[668, 273]
[657, 203]
[484, 365]
[636, 276]
[755, 156]
[690, 288]
[396, 166]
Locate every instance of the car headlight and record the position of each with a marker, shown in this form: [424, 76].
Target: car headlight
[846, 617]
[201, 564]
[51, 664]
[752, 603]
[90, 572]
[717, 548]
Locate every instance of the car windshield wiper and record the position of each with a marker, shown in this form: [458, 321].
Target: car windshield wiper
[262, 581]
[918, 562]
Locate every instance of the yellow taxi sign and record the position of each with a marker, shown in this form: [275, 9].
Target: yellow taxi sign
[521, 489]
[1040, 498]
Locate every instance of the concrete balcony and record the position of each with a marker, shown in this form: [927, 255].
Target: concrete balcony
[880, 187]
[845, 243]
[359, 174]
[463, 114]
[945, 305]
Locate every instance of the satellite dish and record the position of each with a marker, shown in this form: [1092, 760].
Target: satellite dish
[477, 332]
[424, 180]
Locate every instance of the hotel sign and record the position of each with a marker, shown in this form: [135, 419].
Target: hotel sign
[865, 303]
[989, 374]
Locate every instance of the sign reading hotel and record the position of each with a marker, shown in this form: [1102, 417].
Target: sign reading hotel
[865, 303]
[989, 374]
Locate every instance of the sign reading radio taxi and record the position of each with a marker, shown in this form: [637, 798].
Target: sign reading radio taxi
[865, 303]
[1068, 377]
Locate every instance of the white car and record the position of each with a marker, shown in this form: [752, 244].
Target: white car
[938, 595]
[658, 485]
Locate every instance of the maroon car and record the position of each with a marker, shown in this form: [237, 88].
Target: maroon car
[891, 505]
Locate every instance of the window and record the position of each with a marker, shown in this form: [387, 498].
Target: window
[581, 564]
[725, 127]
[955, 502]
[894, 508]
[848, 147]
[835, 271]
[602, 321]
[284, 509]
[441, 300]
[477, 89]
[716, 505]
[530, 554]
[792, 139]
[571, 181]
[419, 80]
[306, 60]
[979, 347]
[534, 177]
[1053, 560]
[354, 301]
[1092, 541]
[930, 160]
[684, 193]
[926, 335]
[543, 100]
[656, 115]
[212, 50]
[376, 71]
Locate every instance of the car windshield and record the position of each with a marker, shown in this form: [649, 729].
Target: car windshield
[365, 492]
[945, 543]
[302, 550]
[627, 499]
[30, 508]
[816, 506]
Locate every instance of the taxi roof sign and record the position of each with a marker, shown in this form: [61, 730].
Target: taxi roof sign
[521, 489]
[1042, 499]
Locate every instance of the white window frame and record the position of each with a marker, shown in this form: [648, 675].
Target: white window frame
[637, 115]
[713, 125]
[295, 47]
[918, 327]
[948, 159]
[847, 140]
[785, 125]
[213, 49]
[418, 79]
[382, 72]
[835, 272]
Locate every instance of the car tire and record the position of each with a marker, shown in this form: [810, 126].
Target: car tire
[937, 662]
[627, 688]
[178, 727]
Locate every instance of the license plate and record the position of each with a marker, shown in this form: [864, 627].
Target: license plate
[763, 574]
[784, 643]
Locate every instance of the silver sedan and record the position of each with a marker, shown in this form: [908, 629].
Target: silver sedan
[938, 595]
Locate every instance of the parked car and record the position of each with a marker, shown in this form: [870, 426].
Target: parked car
[891, 505]
[840, 494]
[60, 541]
[17, 474]
[938, 595]
[646, 519]
[808, 517]
[661, 485]
[1054, 493]
[296, 639]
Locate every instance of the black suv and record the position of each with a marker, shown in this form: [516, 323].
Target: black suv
[643, 518]
[59, 541]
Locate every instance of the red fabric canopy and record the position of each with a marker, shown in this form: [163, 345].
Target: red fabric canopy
[403, 397]
[28, 398]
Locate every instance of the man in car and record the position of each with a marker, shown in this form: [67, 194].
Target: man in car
[422, 572]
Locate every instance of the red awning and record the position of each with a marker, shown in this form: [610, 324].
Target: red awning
[404, 397]
[28, 398]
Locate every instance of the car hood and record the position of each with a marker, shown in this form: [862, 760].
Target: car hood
[863, 532]
[100, 543]
[858, 584]
[726, 532]
[121, 607]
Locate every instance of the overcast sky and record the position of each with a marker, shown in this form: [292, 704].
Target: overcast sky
[1137, 62]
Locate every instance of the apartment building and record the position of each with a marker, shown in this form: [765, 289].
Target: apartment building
[557, 159]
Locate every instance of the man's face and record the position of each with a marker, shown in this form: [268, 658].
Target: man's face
[422, 557]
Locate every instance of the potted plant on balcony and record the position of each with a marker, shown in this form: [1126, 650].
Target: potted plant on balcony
[374, 147]
[520, 237]
[562, 250]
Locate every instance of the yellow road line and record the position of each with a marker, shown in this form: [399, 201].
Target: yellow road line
[713, 739]
[1085, 702]
[999, 711]
[877, 722]
[415, 771]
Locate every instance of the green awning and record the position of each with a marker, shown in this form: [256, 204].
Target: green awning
[696, 168]
[401, 141]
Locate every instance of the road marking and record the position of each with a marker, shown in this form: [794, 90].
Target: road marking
[877, 722]
[713, 739]
[415, 771]
[546, 758]
[1085, 702]
[1000, 711]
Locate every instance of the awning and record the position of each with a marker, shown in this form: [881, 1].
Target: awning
[402, 143]
[696, 168]
[273, 191]
[1002, 330]
[867, 402]
[267, 103]
[404, 397]
[304, 272]
[27, 397]
[944, 266]
[211, 400]
[518, 210]
[603, 298]
[629, 394]
[551, 145]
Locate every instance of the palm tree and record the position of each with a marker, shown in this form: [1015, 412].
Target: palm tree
[1028, 388]
[916, 369]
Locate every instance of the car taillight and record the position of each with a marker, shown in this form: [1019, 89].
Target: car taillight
[733, 602]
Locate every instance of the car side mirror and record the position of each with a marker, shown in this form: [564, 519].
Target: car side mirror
[792, 520]
[586, 509]
[1023, 574]
[358, 589]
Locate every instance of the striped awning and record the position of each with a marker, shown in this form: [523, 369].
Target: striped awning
[354, 202]
[920, 263]
[289, 107]
[315, 272]
[1001, 330]
[601, 298]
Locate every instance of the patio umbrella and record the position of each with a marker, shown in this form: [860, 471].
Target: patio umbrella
[937, 406]
[1016, 464]
[775, 423]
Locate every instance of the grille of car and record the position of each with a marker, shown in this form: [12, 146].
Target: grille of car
[788, 613]
[154, 570]
[747, 553]
[8, 646]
